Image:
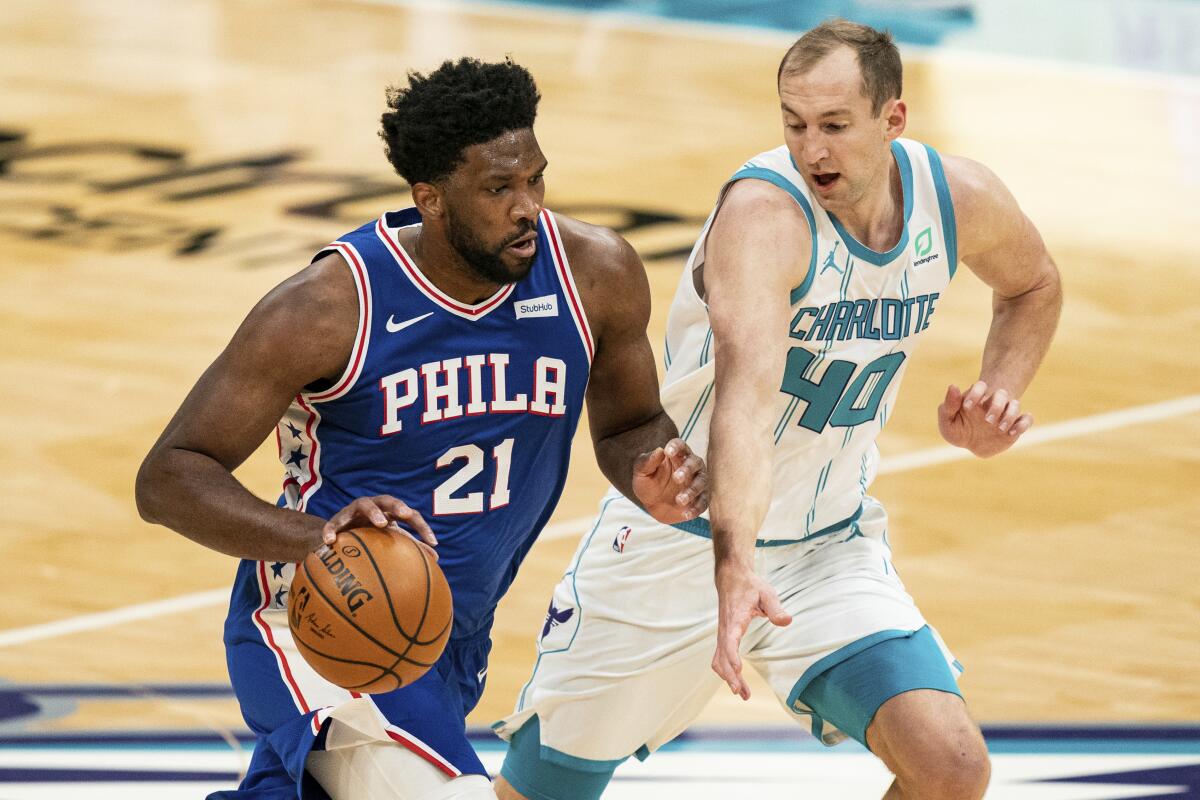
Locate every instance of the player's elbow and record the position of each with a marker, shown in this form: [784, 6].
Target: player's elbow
[148, 487]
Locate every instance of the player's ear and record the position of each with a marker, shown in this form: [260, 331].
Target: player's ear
[429, 200]
[895, 117]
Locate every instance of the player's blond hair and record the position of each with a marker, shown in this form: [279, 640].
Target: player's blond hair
[878, 58]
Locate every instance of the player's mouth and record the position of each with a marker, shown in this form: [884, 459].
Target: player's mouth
[524, 247]
[825, 181]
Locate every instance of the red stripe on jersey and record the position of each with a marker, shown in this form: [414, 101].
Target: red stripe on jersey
[364, 299]
[270, 640]
[560, 263]
[418, 748]
[313, 469]
[432, 292]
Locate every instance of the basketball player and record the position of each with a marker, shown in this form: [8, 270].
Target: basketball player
[427, 370]
[818, 271]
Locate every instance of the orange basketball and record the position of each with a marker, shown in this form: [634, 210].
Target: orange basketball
[372, 612]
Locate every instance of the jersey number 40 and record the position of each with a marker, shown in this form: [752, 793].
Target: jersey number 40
[830, 403]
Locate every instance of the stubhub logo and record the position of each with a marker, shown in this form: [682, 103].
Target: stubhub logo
[546, 306]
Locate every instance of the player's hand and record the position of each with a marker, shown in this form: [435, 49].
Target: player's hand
[381, 511]
[986, 422]
[741, 596]
[671, 482]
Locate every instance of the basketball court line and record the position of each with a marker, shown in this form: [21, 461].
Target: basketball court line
[932, 456]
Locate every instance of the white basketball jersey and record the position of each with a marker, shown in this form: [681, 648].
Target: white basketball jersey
[856, 319]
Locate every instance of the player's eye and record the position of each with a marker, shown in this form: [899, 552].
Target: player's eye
[835, 127]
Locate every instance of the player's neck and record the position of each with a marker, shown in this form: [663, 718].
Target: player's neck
[442, 264]
[877, 218]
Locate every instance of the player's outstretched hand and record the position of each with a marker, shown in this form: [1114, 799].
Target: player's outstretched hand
[671, 482]
[381, 511]
[986, 422]
[741, 596]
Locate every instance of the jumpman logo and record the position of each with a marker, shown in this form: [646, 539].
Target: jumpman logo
[830, 263]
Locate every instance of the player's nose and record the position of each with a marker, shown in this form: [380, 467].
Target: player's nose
[526, 207]
[814, 151]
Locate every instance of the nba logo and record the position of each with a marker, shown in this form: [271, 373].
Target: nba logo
[621, 538]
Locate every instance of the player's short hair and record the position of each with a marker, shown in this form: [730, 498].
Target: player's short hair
[878, 58]
[432, 120]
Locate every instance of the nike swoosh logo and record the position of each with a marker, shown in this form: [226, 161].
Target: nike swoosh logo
[393, 326]
[481, 674]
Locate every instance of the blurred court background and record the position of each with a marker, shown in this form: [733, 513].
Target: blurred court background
[162, 165]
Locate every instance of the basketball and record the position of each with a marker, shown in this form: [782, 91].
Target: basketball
[372, 612]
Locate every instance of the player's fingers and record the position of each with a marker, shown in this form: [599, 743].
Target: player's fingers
[677, 449]
[974, 394]
[648, 463]
[1012, 410]
[433, 553]
[362, 509]
[401, 511]
[691, 466]
[995, 406]
[697, 487]
[727, 663]
[953, 402]
[773, 609]
[698, 506]
[1023, 423]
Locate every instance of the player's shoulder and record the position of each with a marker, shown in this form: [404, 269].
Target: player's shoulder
[325, 283]
[611, 278]
[974, 187]
[596, 253]
[753, 198]
[318, 303]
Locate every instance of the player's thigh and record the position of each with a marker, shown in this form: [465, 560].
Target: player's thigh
[388, 770]
[623, 656]
[857, 638]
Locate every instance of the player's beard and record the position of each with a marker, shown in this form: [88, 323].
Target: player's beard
[488, 262]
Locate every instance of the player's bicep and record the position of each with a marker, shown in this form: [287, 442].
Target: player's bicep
[623, 384]
[759, 248]
[299, 333]
[997, 241]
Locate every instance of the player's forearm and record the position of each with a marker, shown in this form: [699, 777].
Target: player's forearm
[616, 453]
[1021, 331]
[197, 497]
[740, 455]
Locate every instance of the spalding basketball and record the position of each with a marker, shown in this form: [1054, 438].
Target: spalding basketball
[372, 612]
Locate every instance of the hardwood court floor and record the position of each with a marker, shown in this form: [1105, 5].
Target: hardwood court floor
[164, 165]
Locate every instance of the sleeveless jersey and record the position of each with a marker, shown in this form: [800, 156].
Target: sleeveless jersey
[856, 319]
[464, 412]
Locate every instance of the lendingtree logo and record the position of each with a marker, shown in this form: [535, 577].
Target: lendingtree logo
[923, 248]
[924, 242]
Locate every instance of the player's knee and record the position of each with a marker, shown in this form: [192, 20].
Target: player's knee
[531, 775]
[957, 768]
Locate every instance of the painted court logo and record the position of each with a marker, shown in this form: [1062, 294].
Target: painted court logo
[921, 247]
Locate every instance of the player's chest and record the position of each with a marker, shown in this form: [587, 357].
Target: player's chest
[460, 371]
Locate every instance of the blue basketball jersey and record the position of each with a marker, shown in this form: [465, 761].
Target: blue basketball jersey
[464, 412]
